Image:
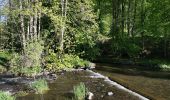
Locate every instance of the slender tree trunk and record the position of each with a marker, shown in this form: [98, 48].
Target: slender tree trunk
[35, 21]
[35, 27]
[31, 22]
[115, 18]
[22, 26]
[31, 27]
[128, 17]
[28, 23]
[123, 16]
[28, 31]
[99, 17]
[134, 17]
[63, 21]
[165, 42]
[39, 24]
[142, 22]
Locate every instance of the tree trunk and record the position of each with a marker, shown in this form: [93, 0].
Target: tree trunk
[63, 21]
[134, 17]
[28, 31]
[165, 42]
[31, 22]
[123, 16]
[142, 22]
[39, 24]
[35, 21]
[22, 31]
[128, 18]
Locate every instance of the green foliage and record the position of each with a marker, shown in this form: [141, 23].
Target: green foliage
[81, 34]
[155, 64]
[67, 62]
[126, 46]
[5, 55]
[4, 60]
[26, 71]
[40, 86]
[28, 64]
[33, 52]
[6, 96]
[133, 50]
[21, 94]
[164, 67]
[80, 91]
[2, 69]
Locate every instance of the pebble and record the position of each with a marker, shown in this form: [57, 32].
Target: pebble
[90, 95]
[110, 93]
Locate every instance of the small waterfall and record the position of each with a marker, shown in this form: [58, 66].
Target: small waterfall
[112, 83]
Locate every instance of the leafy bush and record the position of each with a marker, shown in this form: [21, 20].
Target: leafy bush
[80, 92]
[4, 60]
[133, 50]
[66, 63]
[155, 64]
[32, 56]
[6, 96]
[26, 71]
[6, 55]
[33, 53]
[2, 69]
[40, 86]
[126, 46]
[164, 67]
[30, 62]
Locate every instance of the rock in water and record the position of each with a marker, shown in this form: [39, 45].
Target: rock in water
[110, 93]
[90, 95]
[92, 65]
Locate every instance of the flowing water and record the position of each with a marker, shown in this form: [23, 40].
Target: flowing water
[62, 88]
[151, 84]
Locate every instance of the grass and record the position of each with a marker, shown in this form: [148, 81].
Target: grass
[40, 86]
[6, 96]
[21, 93]
[80, 91]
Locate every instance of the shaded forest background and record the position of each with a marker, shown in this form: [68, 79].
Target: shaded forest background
[89, 29]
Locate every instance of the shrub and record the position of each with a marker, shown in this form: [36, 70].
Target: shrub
[6, 55]
[2, 69]
[6, 96]
[30, 62]
[4, 60]
[33, 53]
[164, 67]
[26, 71]
[80, 92]
[67, 62]
[40, 86]
[133, 50]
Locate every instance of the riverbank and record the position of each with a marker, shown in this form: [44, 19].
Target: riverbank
[159, 65]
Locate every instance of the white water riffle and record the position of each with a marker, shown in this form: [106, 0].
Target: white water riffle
[112, 83]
